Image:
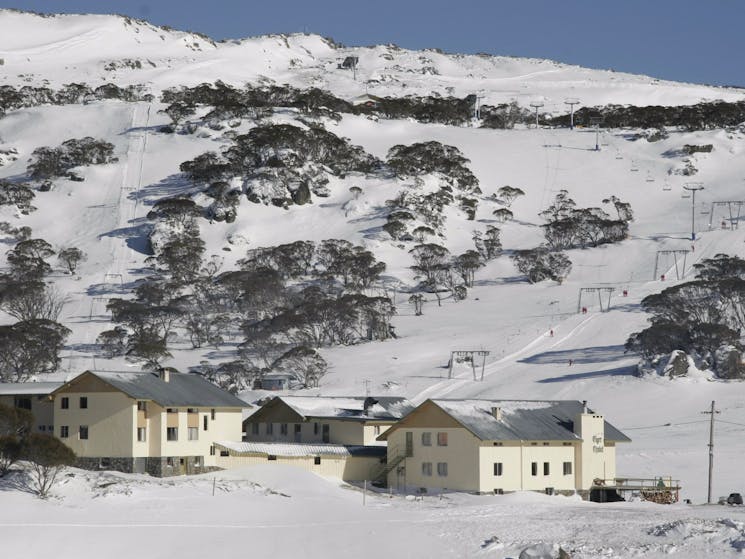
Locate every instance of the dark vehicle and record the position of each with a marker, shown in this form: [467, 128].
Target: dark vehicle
[734, 499]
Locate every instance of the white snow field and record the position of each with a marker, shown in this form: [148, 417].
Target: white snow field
[105, 217]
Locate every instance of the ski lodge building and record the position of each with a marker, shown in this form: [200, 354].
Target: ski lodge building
[495, 446]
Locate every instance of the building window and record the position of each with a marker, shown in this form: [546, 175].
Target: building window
[409, 444]
[171, 433]
[567, 468]
[205, 422]
[270, 428]
[376, 430]
[65, 403]
[171, 410]
[497, 444]
[315, 428]
[192, 410]
[317, 460]
[442, 469]
[84, 402]
[141, 434]
[546, 444]
[224, 453]
[193, 433]
[212, 450]
[297, 428]
[254, 428]
[271, 457]
[546, 469]
[426, 439]
[325, 433]
[83, 432]
[141, 405]
[104, 463]
[427, 469]
[64, 431]
[442, 439]
[198, 461]
[42, 428]
[23, 403]
[534, 468]
[50, 428]
[169, 462]
[498, 468]
[212, 414]
[283, 428]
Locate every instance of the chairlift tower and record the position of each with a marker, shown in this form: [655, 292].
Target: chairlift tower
[536, 105]
[477, 107]
[604, 306]
[676, 254]
[571, 101]
[693, 187]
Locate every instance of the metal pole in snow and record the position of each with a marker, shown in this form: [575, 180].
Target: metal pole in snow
[214, 481]
[713, 412]
[364, 492]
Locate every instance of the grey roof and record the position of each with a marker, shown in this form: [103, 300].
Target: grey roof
[301, 449]
[360, 408]
[27, 388]
[181, 389]
[527, 420]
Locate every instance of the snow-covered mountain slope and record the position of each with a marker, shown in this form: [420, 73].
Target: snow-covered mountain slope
[106, 216]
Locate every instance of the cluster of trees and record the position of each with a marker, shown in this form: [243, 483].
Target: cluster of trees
[456, 181]
[702, 116]
[17, 194]
[504, 116]
[281, 164]
[48, 162]
[702, 317]
[440, 272]
[45, 455]
[73, 93]
[228, 102]
[285, 300]
[568, 226]
[33, 344]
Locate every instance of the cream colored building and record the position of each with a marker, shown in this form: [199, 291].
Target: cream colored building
[163, 424]
[325, 419]
[498, 446]
[34, 397]
[346, 462]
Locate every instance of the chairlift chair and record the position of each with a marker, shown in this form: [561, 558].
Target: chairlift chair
[618, 154]
[634, 166]
[650, 178]
[666, 187]
[685, 194]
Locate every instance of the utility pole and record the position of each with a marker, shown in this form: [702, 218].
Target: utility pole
[595, 121]
[536, 105]
[571, 102]
[713, 412]
[693, 187]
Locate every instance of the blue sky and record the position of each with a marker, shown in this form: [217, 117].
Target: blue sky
[698, 41]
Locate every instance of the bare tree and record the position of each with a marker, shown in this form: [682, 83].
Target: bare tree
[47, 457]
[31, 300]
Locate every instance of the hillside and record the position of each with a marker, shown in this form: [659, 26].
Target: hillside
[106, 215]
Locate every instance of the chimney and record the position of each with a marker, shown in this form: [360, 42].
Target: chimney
[497, 413]
[165, 375]
[584, 406]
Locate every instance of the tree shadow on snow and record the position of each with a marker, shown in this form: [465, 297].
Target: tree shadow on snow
[601, 354]
[627, 371]
[170, 187]
[137, 237]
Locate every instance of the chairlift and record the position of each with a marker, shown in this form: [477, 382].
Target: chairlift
[704, 212]
[667, 187]
[650, 178]
[685, 194]
[634, 166]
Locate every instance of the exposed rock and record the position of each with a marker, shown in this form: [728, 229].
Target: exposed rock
[729, 363]
[677, 365]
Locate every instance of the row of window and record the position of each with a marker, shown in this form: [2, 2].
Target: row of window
[64, 432]
[82, 403]
[442, 469]
[566, 469]
[191, 432]
[442, 439]
[284, 430]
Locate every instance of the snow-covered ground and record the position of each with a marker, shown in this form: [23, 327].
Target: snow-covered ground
[104, 216]
[278, 511]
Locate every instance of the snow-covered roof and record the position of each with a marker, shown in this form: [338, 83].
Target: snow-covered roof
[180, 390]
[350, 408]
[530, 420]
[301, 450]
[37, 388]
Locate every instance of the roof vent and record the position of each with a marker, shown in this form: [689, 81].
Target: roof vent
[165, 375]
[584, 406]
[497, 413]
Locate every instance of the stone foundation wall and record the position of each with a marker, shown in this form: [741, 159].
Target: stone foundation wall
[165, 466]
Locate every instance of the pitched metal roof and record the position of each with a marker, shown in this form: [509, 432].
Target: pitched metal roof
[180, 390]
[301, 449]
[28, 388]
[351, 408]
[528, 420]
